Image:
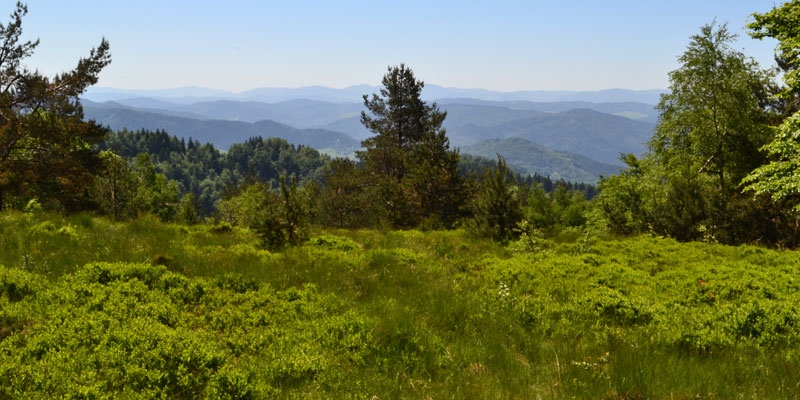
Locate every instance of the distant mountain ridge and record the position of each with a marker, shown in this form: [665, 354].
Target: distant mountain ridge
[599, 136]
[596, 131]
[354, 94]
[221, 133]
[529, 158]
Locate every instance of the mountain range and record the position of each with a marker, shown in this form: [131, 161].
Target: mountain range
[574, 138]
[526, 157]
[353, 94]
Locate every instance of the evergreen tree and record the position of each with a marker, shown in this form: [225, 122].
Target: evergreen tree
[415, 174]
[45, 146]
[497, 207]
[343, 201]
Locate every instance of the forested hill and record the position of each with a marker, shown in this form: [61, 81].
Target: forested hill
[206, 172]
[529, 158]
[600, 131]
[644, 112]
[210, 174]
[595, 135]
[221, 133]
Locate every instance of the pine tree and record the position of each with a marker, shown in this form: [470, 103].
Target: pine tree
[343, 201]
[45, 146]
[497, 207]
[414, 173]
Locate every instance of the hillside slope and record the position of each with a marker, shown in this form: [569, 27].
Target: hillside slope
[527, 157]
[598, 136]
[221, 133]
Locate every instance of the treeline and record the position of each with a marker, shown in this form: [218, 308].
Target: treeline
[211, 175]
[186, 181]
[406, 176]
[477, 166]
[722, 165]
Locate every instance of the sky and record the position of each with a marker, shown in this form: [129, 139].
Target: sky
[503, 45]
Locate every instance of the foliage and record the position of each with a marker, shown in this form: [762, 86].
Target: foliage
[414, 173]
[140, 330]
[279, 216]
[359, 313]
[211, 175]
[712, 124]
[155, 193]
[266, 159]
[248, 208]
[778, 179]
[226, 185]
[780, 23]
[285, 222]
[498, 206]
[344, 201]
[45, 146]
[115, 189]
[561, 208]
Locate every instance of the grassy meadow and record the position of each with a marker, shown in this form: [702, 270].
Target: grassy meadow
[91, 308]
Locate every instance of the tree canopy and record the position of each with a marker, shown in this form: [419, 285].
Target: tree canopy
[409, 162]
[45, 145]
[780, 178]
[712, 123]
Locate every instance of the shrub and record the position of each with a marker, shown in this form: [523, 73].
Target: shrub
[334, 243]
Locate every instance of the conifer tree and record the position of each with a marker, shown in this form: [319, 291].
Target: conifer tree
[45, 146]
[413, 171]
[343, 201]
[497, 207]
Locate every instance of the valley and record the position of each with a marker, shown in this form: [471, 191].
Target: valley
[573, 139]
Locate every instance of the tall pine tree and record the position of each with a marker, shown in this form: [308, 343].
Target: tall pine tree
[412, 170]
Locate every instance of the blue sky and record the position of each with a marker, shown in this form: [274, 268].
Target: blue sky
[502, 45]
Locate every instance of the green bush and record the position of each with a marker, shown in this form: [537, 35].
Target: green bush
[357, 314]
[334, 243]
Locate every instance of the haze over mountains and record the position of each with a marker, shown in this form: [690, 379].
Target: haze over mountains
[350, 94]
[575, 136]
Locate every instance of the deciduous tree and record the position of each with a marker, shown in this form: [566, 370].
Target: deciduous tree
[116, 188]
[712, 123]
[780, 178]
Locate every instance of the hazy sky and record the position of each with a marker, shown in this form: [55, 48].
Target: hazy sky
[502, 45]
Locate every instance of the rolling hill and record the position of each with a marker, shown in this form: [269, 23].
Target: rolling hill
[600, 132]
[599, 136]
[221, 133]
[528, 158]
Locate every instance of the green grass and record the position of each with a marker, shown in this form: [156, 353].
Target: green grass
[388, 315]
